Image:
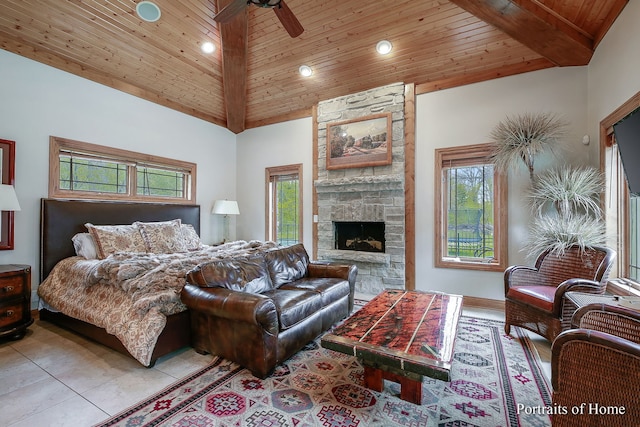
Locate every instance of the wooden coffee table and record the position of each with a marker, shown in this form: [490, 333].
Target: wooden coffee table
[401, 336]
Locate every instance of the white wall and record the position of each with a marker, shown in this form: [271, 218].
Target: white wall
[38, 101]
[268, 146]
[466, 115]
[614, 70]
[613, 79]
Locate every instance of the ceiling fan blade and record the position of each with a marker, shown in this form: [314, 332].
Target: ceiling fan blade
[288, 19]
[230, 10]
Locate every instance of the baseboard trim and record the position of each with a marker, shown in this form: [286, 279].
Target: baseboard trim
[477, 302]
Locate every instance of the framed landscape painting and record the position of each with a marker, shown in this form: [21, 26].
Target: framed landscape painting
[360, 142]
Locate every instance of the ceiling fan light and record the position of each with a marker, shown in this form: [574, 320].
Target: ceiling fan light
[266, 3]
[384, 47]
[208, 47]
[148, 11]
[305, 71]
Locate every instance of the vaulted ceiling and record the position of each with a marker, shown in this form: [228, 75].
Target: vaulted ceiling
[436, 44]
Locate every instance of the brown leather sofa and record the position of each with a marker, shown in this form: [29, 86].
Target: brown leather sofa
[259, 310]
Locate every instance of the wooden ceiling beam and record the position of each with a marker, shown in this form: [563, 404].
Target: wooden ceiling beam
[234, 40]
[535, 26]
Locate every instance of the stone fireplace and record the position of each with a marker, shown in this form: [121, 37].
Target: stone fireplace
[364, 196]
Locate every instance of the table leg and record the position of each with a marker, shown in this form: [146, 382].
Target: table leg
[410, 389]
[373, 378]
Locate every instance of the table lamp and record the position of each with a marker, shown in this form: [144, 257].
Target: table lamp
[226, 208]
[8, 199]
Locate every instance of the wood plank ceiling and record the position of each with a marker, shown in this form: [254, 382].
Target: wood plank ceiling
[436, 44]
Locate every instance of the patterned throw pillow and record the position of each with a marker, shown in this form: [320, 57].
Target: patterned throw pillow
[110, 239]
[162, 237]
[191, 239]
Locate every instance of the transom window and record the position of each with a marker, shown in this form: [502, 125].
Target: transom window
[83, 170]
[470, 210]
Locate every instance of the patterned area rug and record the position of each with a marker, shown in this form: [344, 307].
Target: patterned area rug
[496, 381]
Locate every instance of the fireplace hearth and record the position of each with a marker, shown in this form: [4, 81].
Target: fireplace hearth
[359, 236]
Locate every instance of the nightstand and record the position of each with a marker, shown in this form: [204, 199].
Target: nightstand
[15, 300]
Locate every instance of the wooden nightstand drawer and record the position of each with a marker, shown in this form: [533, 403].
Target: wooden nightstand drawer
[15, 300]
[11, 286]
[10, 314]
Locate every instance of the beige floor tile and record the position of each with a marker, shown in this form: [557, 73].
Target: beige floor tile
[181, 363]
[17, 372]
[74, 412]
[125, 390]
[32, 399]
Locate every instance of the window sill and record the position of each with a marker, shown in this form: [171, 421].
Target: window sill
[464, 264]
[624, 287]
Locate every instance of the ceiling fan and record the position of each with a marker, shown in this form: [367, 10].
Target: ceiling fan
[284, 14]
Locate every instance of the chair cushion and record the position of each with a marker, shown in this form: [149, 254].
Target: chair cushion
[294, 306]
[537, 296]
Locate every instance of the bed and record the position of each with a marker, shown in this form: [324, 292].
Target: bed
[60, 220]
[127, 294]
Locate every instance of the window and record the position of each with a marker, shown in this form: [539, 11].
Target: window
[623, 216]
[470, 210]
[284, 204]
[88, 171]
[622, 213]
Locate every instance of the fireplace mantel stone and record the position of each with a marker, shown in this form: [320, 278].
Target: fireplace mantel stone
[360, 184]
[355, 256]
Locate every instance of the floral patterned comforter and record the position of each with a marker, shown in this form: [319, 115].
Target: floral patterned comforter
[130, 294]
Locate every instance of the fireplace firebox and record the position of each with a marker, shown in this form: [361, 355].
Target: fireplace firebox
[359, 236]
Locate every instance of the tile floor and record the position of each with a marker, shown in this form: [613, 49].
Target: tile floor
[53, 377]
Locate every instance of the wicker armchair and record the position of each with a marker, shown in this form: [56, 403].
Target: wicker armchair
[595, 370]
[534, 295]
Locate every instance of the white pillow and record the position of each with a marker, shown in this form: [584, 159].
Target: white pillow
[85, 246]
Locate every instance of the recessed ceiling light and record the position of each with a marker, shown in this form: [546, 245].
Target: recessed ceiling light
[384, 47]
[148, 11]
[305, 71]
[208, 47]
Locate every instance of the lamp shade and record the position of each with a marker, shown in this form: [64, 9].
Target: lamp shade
[225, 207]
[8, 199]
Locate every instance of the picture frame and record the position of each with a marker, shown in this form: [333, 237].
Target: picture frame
[7, 174]
[359, 143]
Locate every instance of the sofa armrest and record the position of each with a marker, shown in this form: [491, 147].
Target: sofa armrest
[331, 269]
[339, 271]
[233, 305]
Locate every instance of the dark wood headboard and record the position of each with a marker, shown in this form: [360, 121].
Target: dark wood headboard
[60, 220]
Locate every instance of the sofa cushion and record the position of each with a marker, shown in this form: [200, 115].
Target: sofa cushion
[293, 306]
[331, 289]
[247, 274]
[287, 264]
